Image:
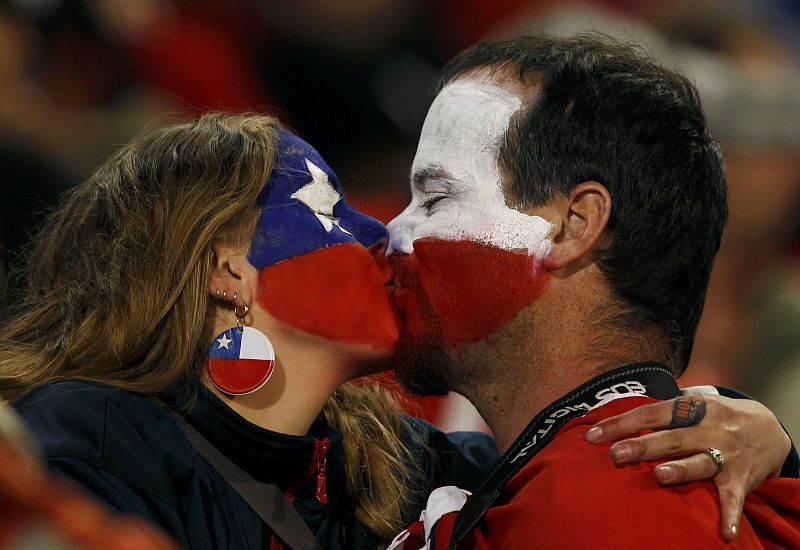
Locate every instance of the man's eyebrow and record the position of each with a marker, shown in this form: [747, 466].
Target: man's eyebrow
[430, 172]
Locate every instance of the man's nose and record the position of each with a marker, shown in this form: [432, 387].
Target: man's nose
[400, 241]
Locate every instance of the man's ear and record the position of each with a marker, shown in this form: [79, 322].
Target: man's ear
[583, 217]
[231, 272]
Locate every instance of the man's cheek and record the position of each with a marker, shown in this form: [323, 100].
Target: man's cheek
[475, 289]
[337, 293]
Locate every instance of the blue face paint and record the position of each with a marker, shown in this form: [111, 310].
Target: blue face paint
[304, 209]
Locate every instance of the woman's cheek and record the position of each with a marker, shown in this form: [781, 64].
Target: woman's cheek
[338, 293]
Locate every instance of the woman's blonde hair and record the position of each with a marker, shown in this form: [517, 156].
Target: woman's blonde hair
[118, 288]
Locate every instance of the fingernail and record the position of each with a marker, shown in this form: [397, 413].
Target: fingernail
[620, 452]
[665, 473]
[594, 434]
[732, 533]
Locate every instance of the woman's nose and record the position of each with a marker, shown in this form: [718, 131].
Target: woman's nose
[380, 246]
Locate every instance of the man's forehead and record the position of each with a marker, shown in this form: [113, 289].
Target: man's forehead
[467, 103]
[465, 126]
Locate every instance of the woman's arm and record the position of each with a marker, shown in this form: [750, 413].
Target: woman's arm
[752, 441]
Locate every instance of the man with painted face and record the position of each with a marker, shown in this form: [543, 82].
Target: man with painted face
[567, 204]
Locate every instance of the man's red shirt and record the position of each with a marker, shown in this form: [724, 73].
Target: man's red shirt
[571, 495]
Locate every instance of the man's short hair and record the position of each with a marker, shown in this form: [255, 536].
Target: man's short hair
[605, 111]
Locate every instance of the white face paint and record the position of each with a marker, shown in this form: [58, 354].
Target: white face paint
[456, 191]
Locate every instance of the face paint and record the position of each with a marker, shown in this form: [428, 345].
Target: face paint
[312, 249]
[304, 208]
[472, 263]
[456, 186]
[472, 289]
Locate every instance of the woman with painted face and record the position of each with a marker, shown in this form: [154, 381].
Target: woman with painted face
[213, 271]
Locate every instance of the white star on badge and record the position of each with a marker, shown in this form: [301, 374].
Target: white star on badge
[224, 341]
[320, 196]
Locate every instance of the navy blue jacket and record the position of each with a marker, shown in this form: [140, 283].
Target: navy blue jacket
[127, 449]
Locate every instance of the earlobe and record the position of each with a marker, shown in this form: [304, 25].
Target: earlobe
[583, 218]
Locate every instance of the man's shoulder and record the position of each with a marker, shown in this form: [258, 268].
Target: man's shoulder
[582, 468]
[573, 494]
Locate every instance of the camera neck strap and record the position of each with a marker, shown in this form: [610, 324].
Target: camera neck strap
[651, 379]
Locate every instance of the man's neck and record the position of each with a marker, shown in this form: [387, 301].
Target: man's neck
[523, 376]
[508, 407]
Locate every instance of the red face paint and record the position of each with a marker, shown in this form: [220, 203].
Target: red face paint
[338, 293]
[469, 289]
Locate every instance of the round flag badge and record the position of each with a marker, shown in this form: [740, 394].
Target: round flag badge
[240, 362]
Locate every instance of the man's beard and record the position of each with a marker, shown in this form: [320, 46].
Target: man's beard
[423, 364]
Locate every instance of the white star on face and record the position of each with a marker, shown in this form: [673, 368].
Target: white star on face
[320, 196]
[224, 341]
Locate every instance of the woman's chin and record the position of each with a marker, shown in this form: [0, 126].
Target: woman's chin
[368, 360]
[362, 359]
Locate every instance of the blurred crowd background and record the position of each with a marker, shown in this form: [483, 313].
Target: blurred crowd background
[78, 77]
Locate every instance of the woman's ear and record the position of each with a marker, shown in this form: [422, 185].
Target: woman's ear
[231, 273]
[583, 217]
